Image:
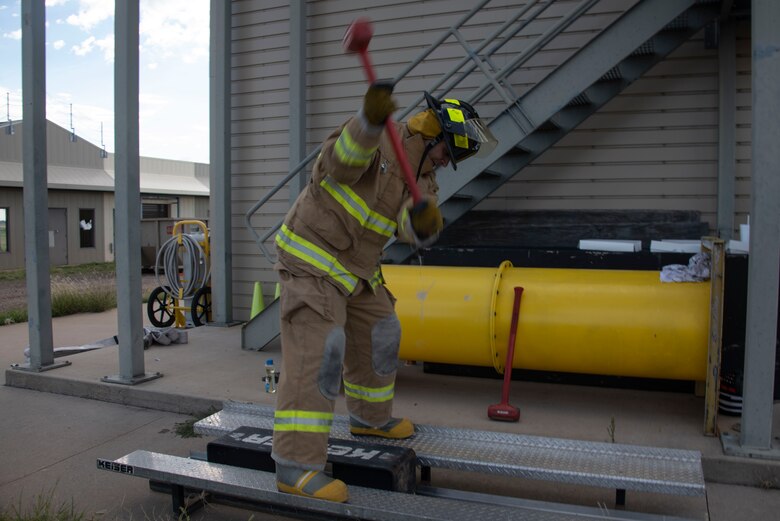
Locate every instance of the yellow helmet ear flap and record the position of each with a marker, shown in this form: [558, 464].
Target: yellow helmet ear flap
[425, 123]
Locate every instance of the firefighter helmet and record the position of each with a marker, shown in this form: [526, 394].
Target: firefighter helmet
[463, 131]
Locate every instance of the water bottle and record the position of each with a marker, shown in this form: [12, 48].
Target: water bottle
[270, 376]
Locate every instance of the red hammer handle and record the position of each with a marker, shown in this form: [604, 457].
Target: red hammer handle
[510, 354]
[395, 139]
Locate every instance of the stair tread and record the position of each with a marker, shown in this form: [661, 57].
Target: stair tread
[612, 465]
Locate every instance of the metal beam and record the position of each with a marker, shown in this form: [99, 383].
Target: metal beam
[764, 260]
[297, 93]
[727, 114]
[127, 187]
[755, 438]
[35, 187]
[221, 238]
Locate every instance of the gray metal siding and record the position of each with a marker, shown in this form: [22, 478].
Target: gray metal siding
[653, 147]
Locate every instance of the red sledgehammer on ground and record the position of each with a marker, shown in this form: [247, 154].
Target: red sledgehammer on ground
[504, 411]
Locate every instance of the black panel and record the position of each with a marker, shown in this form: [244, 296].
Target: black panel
[354, 462]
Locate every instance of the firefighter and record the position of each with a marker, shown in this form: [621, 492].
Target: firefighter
[338, 323]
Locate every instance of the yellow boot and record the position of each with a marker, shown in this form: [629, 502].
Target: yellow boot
[310, 483]
[396, 428]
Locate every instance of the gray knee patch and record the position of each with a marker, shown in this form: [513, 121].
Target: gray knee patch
[385, 342]
[332, 361]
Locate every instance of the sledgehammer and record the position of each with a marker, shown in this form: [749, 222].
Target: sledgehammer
[504, 411]
[356, 39]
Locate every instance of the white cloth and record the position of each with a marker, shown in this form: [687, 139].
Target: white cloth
[697, 270]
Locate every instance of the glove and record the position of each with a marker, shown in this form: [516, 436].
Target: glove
[426, 218]
[421, 225]
[378, 102]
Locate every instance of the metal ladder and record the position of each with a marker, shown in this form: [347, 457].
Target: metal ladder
[532, 122]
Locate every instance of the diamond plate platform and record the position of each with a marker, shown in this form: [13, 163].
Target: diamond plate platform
[609, 465]
[364, 503]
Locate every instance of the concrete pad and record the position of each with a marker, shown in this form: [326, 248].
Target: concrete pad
[51, 444]
[738, 503]
[55, 437]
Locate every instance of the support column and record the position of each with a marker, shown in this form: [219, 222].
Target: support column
[221, 208]
[297, 94]
[127, 186]
[755, 438]
[727, 113]
[35, 189]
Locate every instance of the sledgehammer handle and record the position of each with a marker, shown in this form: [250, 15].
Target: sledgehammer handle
[361, 47]
[510, 354]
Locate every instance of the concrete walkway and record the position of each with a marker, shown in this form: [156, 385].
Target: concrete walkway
[51, 440]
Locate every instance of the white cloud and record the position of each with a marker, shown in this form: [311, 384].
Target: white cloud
[59, 44]
[14, 35]
[87, 46]
[84, 47]
[175, 28]
[150, 104]
[91, 13]
[168, 29]
[52, 3]
[86, 118]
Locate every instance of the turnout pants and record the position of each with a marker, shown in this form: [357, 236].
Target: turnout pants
[327, 336]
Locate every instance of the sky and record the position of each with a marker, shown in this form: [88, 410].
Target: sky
[173, 72]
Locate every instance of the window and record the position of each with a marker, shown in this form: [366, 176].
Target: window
[156, 211]
[87, 227]
[4, 230]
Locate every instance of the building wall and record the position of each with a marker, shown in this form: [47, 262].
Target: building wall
[108, 230]
[73, 201]
[70, 200]
[78, 179]
[653, 147]
[11, 199]
[201, 208]
[60, 150]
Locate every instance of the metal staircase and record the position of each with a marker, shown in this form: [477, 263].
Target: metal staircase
[530, 123]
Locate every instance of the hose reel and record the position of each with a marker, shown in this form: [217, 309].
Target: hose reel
[183, 294]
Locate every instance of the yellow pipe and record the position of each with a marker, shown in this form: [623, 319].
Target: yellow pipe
[610, 322]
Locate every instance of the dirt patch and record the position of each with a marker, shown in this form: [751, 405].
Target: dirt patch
[14, 295]
[14, 292]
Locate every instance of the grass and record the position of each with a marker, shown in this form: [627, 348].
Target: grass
[13, 316]
[69, 297]
[43, 508]
[68, 294]
[186, 429]
[611, 430]
[92, 268]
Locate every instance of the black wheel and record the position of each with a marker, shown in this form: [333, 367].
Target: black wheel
[201, 306]
[159, 308]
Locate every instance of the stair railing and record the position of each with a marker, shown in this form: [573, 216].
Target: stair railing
[495, 80]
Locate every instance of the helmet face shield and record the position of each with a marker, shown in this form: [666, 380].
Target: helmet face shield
[463, 132]
[477, 130]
